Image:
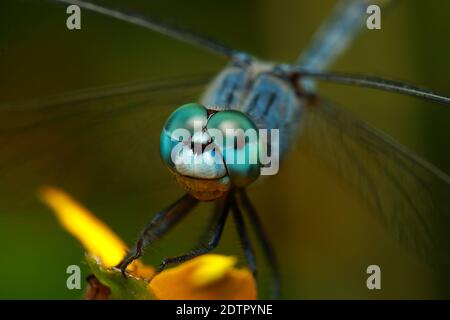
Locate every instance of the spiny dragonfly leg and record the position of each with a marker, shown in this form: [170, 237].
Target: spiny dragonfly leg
[243, 236]
[157, 227]
[263, 239]
[213, 235]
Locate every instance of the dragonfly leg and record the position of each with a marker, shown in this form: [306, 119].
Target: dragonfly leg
[244, 237]
[263, 239]
[214, 234]
[157, 227]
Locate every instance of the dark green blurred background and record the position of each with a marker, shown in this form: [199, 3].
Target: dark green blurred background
[324, 246]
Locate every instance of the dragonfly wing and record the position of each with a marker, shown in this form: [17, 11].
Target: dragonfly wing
[96, 141]
[410, 195]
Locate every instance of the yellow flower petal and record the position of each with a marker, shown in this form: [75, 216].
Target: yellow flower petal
[95, 236]
[211, 268]
[98, 239]
[210, 276]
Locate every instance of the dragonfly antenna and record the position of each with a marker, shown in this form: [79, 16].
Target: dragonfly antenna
[155, 24]
[376, 83]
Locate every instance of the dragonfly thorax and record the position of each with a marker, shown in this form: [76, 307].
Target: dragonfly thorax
[259, 90]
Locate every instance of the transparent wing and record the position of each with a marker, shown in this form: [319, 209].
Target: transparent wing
[152, 23]
[411, 196]
[100, 141]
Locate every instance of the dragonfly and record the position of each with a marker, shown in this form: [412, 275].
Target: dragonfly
[409, 195]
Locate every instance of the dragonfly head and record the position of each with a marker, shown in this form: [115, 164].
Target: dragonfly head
[210, 151]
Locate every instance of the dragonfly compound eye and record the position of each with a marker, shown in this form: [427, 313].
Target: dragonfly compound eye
[237, 138]
[180, 127]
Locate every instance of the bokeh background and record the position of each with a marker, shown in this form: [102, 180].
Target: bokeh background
[324, 235]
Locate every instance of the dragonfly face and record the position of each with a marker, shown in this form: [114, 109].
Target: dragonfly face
[197, 144]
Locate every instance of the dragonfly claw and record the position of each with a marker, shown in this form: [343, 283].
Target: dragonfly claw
[122, 266]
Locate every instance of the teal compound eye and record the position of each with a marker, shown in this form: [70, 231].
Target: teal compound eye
[181, 125]
[190, 116]
[237, 137]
